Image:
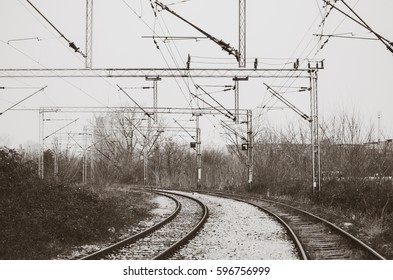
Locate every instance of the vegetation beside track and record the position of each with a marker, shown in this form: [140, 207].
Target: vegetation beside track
[40, 220]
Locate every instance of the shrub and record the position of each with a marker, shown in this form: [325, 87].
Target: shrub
[39, 219]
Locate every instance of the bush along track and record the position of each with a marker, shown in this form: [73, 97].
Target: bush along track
[40, 220]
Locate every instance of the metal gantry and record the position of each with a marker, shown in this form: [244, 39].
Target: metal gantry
[162, 110]
[155, 72]
[313, 119]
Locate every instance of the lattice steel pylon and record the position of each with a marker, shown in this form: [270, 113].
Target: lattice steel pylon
[89, 33]
[242, 33]
[315, 142]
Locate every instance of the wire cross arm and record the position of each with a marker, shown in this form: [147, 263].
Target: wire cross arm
[225, 46]
[16, 104]
[361, 22]
[139, 106]
[70, 43]
[289, 104]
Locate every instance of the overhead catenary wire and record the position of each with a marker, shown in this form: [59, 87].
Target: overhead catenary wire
[266, 101]
[182, 127]
[43, 66]
[70, 43]
[345, 37]
[225, 125]
[215, 100]
[293, 77]
[289, 104]
[136, 103]
[154, 33]
[19, 102]
[225, 46]
[361, 22]
[174, 59]
[55, 34]
[58, 38]
[46, 137]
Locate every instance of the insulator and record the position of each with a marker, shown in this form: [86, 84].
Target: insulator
[74, 47]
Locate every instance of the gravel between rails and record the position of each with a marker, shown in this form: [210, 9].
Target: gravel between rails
[153, 244]
[237, 230]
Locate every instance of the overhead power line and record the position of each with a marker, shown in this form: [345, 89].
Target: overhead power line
[289, 104]
[361, 22]
[352, 36]
[139, 106]
[16, 104]
[61, 128]
[70, 43]
[215, 100]
[225, 46]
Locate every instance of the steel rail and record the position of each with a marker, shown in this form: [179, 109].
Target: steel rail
[101, 253]
[299, 247]
[330, 224]
[167, 253]
[340, 230]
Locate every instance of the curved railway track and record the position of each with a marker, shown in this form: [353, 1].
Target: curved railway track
[161, 240]
[315, 237]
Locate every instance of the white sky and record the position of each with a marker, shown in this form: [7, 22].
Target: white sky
[358, 74]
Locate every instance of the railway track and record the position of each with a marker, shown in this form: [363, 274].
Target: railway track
[164, 238]
[315, 237]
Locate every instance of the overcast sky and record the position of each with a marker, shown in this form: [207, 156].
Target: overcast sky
[358, 74]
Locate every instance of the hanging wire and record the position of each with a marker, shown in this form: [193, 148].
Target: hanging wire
[50, 31]
[155, 34]
[294, 75]
[190, 78]
[71, 44]
[46, 68]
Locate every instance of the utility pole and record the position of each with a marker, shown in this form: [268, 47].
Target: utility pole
[242, 33]
[89, 33]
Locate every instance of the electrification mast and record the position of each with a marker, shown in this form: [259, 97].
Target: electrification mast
[250, 147]
[242, 33]
[89, 33]
[84, 159]
[315, 143]
[155, 95]
[41, 144]
[198, 151]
